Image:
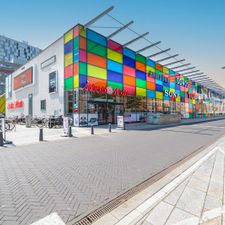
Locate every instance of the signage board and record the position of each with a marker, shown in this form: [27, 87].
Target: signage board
[23, 79]
[120, 122]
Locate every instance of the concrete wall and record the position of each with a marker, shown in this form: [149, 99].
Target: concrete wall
[40, 87]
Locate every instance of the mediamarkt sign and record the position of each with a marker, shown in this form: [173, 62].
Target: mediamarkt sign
[104, 90]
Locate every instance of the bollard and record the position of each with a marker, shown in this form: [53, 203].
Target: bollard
[1, 139]
[124, 126]
[92, 129]
[70, 131]
[110, 127]
[41, 134]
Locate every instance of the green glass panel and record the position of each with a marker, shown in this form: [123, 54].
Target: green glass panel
[115, 85]
[159, 72]
[166, 88]
[68, 83]
[83, 68]
[76, 43]
[141, 58]
[96, 49]
[182, 94]
[140, 83]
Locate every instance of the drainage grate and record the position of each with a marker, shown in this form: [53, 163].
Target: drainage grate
[108, 207]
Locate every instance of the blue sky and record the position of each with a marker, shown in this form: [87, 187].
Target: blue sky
[195, 29]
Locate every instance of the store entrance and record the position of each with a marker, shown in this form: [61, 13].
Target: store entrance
[107, 111]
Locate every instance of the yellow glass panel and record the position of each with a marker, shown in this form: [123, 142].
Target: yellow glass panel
[150, 69]
[76, 81]
[68, 59]
[115, 56]
[82, 31]
[178, 99]
[68, 36]
[159, 95]
[140, 91]
[165, 70]
[97, 72]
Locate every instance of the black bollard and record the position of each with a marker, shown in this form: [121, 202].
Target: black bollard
[1, 139]
[70, 131]
[110, 127]
[41, 134]
[124, 126]
[92, 129]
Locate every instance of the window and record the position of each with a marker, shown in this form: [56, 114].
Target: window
[43, 105]
[52, 82]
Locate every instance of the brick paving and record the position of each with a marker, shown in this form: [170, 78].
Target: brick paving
[74, 176]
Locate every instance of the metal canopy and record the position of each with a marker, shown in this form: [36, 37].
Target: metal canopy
[120, 29]
[135, 39]
[176, 67]
[149, 46]
[174, 62]
[185, 69]
[158, 53]
[193, 78]
[195, 74]
[164, 59]
[190, 72]
[99, 16]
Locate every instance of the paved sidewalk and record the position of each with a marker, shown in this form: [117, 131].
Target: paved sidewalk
[194, 196]
[25, 136]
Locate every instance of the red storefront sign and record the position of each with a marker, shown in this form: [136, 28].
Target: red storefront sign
[14, 105]
[105, 90]
[23, 79]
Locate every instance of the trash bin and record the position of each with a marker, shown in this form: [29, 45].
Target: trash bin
[28, 121]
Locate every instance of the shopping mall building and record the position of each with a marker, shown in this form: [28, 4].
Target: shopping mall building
[93, 79]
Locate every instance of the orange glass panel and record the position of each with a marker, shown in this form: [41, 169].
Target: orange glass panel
[97, 82]
[75, 68]
[140, 66]
[96, 60]
[83, 43]
[151, 86]
[159, 67]
[129, 80]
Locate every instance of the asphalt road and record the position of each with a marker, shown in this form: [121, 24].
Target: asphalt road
[74, 176]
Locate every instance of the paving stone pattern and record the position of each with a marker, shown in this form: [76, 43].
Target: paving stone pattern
[75, 176]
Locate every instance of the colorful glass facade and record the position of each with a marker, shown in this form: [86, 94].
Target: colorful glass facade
[92, 58]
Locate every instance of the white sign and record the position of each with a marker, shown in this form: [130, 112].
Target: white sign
[120, 121]
[66, 121]
[92, 119]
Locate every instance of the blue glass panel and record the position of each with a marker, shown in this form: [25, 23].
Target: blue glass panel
[82, 80]
[159, 82]
[166, 97]
[93, 36]
[115, 77]
[166, 84]
[159, 87]
[140, 75]
[177, 87]
[114, 66]
[129, 53]
[76, 56]
[150, 63]
[129, 62]
[172, 72]
[182, 99]
[68, 47]
[172, 85]
[150, 94]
